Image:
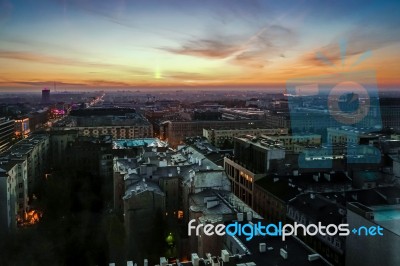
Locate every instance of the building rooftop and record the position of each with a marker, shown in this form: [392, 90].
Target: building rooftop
[318, 208]
[142, 142]
[211, 205]
[23, 147]
[265, 143]
[297, 252]
[279, 187]
[362, 132]
[387, 216]
[285, 186]
[140, 187]
[264, 251]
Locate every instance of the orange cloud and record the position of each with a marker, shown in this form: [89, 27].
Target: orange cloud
[48, 59]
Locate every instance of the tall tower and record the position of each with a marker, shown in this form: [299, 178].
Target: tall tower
[45, 95]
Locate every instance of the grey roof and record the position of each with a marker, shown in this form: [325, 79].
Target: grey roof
[140, 187]
[318, 208]
[129, 143]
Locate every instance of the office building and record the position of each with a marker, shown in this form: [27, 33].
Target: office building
[253, 159]
[22, 128]
[242, 113]
[350, 135]
[175, 132]
[313, 208]
[7, 129]
[299, 142]
[221, 137]
[45, 96]
[8, 197]
[120, 123]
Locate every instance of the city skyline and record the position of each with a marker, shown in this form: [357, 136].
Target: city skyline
[155, 44]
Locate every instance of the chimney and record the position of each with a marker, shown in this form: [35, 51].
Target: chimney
[163, 261]
[195, 259]
[313, 257]
[212, 203]
[215, 261]
[225, 255]
[284, 253]
[262, 247]
[249, 216]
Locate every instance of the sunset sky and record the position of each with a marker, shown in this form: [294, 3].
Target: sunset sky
[238, 43]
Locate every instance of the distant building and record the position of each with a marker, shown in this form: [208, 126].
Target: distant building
[175, 132]
[350, 135]
[22, 128]
[299, 142]
[207, 115]
[219, 137]
[242, 113]
[120, 123]
[7, 128]
[45, 96]
[278, 119]
[38, 118]
[390, 112]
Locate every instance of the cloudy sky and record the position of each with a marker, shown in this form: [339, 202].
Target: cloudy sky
[229, 43]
